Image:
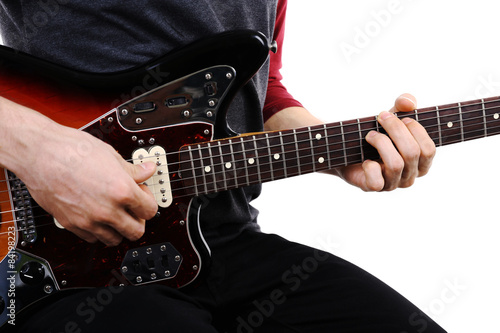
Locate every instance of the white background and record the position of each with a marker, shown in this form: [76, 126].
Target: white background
[441, 232]
[436, 243]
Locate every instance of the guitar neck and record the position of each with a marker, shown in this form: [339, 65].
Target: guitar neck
[257, 158]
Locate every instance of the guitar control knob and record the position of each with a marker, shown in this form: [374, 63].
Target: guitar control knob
[32, 273]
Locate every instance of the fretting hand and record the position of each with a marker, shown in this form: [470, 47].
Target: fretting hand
[406, 152]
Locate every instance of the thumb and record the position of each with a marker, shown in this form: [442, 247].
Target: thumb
[141, 172]
[405, 103]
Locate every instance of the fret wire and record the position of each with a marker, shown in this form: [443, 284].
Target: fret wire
[461, 121]
[439, 126]
[484, 118]
[257, 159]
[343, 142]
[203, 169]
[245, 159]
[233, 162]
[222, 165]
[327, 145]
[212, 166]
[270, 156]
[361, 141]
[299, 166]
[192, 165]
[313, 157]
[283, 154]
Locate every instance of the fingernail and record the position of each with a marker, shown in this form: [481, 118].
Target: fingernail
[371, 134]
[407, 120]
[412, 101]
[148, 166]
[385, 115]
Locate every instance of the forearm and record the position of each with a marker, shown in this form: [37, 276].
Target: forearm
[22, 130]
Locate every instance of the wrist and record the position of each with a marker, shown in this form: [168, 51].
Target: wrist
[21, 138]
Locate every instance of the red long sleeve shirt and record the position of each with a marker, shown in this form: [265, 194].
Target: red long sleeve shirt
[278, 98]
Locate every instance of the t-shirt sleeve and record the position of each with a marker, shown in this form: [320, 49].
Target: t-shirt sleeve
[277, 97]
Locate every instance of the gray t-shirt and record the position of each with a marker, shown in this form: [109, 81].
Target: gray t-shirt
[111, 35]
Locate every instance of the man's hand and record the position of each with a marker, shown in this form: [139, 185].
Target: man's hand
[96, 196]
[80, 180]
[406, 152]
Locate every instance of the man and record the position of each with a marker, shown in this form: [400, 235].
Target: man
[256, 282]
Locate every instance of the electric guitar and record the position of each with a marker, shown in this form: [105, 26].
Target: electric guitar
[171, 111]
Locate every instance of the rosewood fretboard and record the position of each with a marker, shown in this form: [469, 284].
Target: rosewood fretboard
[251, 159]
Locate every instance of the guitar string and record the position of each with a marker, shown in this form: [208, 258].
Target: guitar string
[51, 223]
[303, 166]
[368, 120]
[445, 129]
[334, 126]
[263, 180]
[268, 156]
[307, 130]
[321, 129]
[200, 146]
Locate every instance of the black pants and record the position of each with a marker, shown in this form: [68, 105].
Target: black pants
[258, 283]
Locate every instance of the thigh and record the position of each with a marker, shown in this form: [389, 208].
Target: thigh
[122, 309]
[264, 283]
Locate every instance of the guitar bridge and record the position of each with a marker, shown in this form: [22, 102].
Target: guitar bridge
[23, 208]
[151, 263]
